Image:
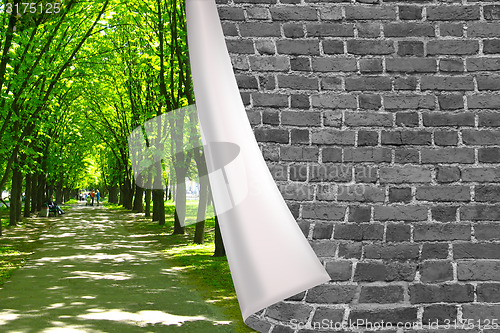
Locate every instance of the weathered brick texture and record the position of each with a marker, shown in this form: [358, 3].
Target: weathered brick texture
[380, 122]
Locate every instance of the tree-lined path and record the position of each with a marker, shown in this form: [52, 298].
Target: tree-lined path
[91, 274]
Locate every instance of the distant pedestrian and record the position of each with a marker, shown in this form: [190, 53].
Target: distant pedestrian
[92, 197]
[98, 196]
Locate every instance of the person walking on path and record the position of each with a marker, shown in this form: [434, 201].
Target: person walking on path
[92, 196]
[98, 196]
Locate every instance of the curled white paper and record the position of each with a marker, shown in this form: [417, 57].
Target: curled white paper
[269, 257]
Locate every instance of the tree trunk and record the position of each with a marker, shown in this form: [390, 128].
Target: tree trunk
[180, 203]
[15, 196]
[113, 194]
[59, 193]
[27, 196]
[159, 207]
[199, 233]
[34, 186]
[138, 199]
[220, 251]
[147, 209]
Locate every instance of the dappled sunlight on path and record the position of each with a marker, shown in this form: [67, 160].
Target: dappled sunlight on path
[91, 275]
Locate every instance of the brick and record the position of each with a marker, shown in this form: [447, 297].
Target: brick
[270, 117]
[331, 83]
[487, 231]
[436, 119]
[446, 138]
[447, 83]
[382, 295]
[299, 154]
[397, 138]
[483, 102]
[400, 213]
[411, 65]
[333, 46]
[368, 119]
[450, 293]
[331, 155]
[451, 102]
[323, 212]
[480, 212]
[441, 314]
[444, 213]
[410, 48]
[442, 193]
[334, 65]
[481, 175]
[393, 316]
[241, 46]
[278, 171]
[267, 63]
[271, 135]
[359, 214]
[367, 154]
[488, 292]
[410, 13]
[298, 171]
[339, 270]
[366, 174]
[489, 119]
[451, 29]
[385, 271]
[328, 314]
[405, 83]
[441, 232]
[488, 82]
[300, 118]
[481, 313]
[329, 136]
[299, 135]
[398, 102]
[229, 29]
[359, 231]
[330, 30]
[407, 119]
[434, 251]
[398, 232]
[260, 325]
[330, 172]
[300, 101]
[270, 100]
[484, 270]
[451, 65]
[298, 47]
[491, 46]
[350, 250]
[367, 138]
[247, 82]
[406, 174]
[371, 66]
[492, 12]
[258, 13]
[260, 29]
[400, 194]
[231, 13]
[292, 13]
[370, 13]
[368, 83]
[436, 271]
[406, 155]
[476, 251]
[453, 13]
[394, 252]
[301, 64]
[448, 155]
[296, 191]
[368, 30]
[288, 311]
[447, 174]
[282, 329]
[331, 294]
[486, 193]
[332, 118]
[293, 30]
[324, 248]
[267, 82]
[270, 153]
[489, 155]
[452, 47]
[409, 30]
[360, 192]
[330, 13]
[322, 231]
[485, 30]
[370, 102]
[334, 101]
[364, 47]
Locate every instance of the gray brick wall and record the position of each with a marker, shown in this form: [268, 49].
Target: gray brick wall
[379, 120]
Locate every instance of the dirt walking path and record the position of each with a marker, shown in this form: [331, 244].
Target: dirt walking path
[91, 275]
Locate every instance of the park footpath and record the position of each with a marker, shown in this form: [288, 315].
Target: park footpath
[90, 274]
